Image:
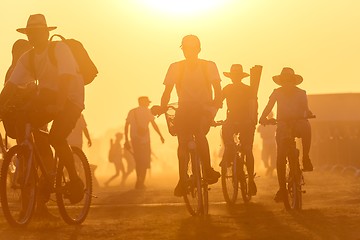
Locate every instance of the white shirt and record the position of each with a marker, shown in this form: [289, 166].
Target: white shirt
[139, 119]
[48, 74]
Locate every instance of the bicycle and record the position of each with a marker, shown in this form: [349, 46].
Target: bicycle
[294, 176]
[196, 187]
[20, 177]
[234, 174]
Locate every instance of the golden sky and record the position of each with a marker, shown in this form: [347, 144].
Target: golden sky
[134, 41]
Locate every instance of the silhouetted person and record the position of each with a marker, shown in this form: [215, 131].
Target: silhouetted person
[138, 119]
[292, 104]
[241, 117]
[19, 47]
[193, 79]
[116, 157]
[268, 151]
[59, 96]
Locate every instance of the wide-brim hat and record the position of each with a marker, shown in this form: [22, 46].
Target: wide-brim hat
[35, 21]
[236, 71]
[287, 75]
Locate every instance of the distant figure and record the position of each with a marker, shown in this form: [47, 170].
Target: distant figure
[116, 154]
[197, 84]
[291, 104]
[241, 118]
[76, 136]
[138, 119]
[268, 151]
[19, 47]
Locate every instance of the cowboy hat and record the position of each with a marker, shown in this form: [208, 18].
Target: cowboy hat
[35, 21]
[236, 70]
[287, 75]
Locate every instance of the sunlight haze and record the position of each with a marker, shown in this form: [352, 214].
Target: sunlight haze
[133, 42]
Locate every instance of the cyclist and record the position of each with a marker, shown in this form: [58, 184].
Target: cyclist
[59, 96]
[291, 105]
[193, 79]
[241, 118]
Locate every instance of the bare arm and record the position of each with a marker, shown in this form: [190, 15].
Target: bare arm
[156, 128]
[218, 98]
[166, 96]
[267, 109]
[87, 135]
[126, 131]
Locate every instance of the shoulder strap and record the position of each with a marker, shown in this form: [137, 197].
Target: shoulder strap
[51, 49]
[32, 63]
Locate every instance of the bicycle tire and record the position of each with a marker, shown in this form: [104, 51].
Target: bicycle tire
[17, 183]
[230, 181]
[194, 194]
[293, 198]
[74, 213]
[243, 179]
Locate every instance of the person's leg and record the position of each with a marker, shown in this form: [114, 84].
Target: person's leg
[227, 133]
[306, 143]
[246, 140]
[281, 163]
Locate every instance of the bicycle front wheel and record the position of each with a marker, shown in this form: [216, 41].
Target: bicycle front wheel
[229, 182]
[293, 200]
[17, 187]
[74, 213]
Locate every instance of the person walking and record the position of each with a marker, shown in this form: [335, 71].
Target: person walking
[138, 120]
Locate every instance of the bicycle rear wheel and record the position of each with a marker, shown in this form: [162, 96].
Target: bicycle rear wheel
[243, 179]
[17, 187]
[194, 191]
[293, 199]
[230, 181]
[74, 213]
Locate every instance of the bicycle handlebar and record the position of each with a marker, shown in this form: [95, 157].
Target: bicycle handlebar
[273, 121]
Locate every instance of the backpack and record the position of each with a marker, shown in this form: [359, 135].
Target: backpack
[87, 67]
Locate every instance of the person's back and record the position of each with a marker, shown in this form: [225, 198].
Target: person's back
[240, 101]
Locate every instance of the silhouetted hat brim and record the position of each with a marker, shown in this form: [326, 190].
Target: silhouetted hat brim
[293, 79]
[27, 29]
[229, 75]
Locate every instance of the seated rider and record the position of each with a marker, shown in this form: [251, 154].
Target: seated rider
[292, 104]
[194, 80]
[59, 95]
[241, 118]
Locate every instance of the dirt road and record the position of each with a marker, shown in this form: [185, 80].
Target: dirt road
[331, 211]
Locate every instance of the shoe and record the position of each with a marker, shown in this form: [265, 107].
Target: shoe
[179, 190]
[307, 165]
[279, 196]
[76, 191]
[212, 176]
[252, 188]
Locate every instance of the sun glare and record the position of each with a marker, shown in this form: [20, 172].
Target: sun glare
[183, 7]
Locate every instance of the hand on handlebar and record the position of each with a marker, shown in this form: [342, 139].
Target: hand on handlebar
[157, 110]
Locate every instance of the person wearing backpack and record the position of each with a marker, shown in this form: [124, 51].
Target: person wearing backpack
[59, 98]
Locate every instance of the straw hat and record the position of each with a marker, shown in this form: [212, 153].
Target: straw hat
[236, 70]
[287, 75]
[35, 21]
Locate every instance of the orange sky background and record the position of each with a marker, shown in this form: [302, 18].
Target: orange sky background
[134, 41]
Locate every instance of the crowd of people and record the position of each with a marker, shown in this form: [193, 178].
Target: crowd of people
[59, 97]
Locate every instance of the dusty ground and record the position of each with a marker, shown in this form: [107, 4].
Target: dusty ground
[331, 211]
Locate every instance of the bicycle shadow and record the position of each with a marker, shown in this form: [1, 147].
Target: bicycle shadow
[255, 221]
[200, 227]
[327, 227]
